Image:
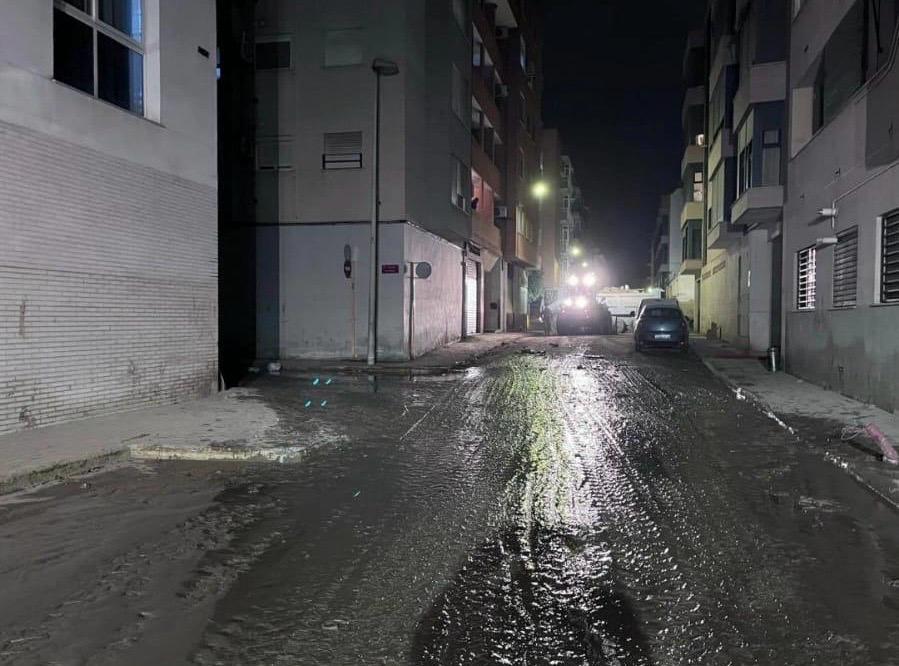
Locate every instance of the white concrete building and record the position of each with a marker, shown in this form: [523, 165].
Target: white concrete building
[841, 217]
[108, 263]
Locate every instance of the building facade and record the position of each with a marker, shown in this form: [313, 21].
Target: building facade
[108, 284]
[744, 171]
[841, 217]
[458, 152]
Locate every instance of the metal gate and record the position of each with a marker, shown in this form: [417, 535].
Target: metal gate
[471, 297]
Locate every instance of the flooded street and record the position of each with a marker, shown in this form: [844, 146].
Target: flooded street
[563, 502]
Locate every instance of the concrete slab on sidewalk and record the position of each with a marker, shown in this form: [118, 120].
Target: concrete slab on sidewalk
[455, 355]
[812, 411]
[231, 425]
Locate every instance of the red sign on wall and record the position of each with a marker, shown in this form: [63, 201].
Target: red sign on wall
[390, 268]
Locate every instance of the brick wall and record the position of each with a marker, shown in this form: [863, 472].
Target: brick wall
[108, 283]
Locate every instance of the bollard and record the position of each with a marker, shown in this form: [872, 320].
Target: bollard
[889, 452]
[772, 358]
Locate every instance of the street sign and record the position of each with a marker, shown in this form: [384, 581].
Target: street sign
[390, 269]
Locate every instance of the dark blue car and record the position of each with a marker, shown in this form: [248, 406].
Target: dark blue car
[661, 326]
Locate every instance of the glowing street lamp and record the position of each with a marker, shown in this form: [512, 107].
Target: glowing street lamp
[573, 281]
[575, 251]
[540, 189]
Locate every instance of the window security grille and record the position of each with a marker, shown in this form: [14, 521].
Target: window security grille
[845, 270]
[889, 260]
[805, 292]
[343, 150]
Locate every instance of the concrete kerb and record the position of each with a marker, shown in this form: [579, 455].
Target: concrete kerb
[840, 461]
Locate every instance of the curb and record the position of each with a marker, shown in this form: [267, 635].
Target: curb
[61, 471]
[287, 454]
[835, 459]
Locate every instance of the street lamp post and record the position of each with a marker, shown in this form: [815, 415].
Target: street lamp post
[380, 67]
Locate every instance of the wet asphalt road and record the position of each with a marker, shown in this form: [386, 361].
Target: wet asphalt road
[563, 502]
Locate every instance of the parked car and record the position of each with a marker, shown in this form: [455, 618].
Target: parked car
[661, 325]
[582, 315]
[667, 302]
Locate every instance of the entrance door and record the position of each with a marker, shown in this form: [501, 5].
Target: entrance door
[472, 293]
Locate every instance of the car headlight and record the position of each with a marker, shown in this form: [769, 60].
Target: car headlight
[568, 302]
[574, 281]
[589, 280]
[580, 302]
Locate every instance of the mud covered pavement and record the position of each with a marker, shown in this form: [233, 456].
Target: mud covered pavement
[565, 502]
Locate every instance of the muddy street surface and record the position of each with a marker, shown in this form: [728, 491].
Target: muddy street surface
[563, 502]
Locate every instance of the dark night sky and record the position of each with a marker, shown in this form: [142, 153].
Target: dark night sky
[613, 89]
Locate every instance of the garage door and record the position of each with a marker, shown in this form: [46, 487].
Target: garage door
[471, 297]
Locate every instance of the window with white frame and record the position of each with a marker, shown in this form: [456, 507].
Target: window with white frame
[698, 186]
[845, 269]
[273, 53]
[805, 279]
[343, 48]
[342, 150]
[889, 258]
[98, 48]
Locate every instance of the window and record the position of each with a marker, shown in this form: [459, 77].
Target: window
[460, 93]
[845, 269]
[717, 105]
[342, 150]
[457, 193]
[343, 48]
[889, 259]
[523, 224]
[460, 11]
[98, 49]
[698, 186]
[716, 199]
[744, 155]
[771, 157]
[841, 68]
[523, 55]
[273, 53]
[692, 240]
[274, 154]
[805, 279]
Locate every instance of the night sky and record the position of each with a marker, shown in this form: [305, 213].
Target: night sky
[613, 89]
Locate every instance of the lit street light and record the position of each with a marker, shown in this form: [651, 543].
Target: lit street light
[540, 189]
[380, 67]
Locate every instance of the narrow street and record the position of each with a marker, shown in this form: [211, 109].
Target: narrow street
[563, 502]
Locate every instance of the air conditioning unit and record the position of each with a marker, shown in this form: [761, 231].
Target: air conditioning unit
[501, 91]
[502, 32]
[501, 212]
[700, 139]
[462, 203]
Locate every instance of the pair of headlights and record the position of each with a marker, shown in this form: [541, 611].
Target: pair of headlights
[579, 302]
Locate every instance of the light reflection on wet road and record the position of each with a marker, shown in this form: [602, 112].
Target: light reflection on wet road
[575, 505]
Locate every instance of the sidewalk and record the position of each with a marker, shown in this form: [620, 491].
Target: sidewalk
[234, 425]
[229, 426]
[444, 359]
[812, 413]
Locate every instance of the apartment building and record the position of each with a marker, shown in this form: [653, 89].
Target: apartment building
[550, 208]
[108, 265]
[744, 170]
[571, 220]
[841, 216]
[691, 217]
[659, 267]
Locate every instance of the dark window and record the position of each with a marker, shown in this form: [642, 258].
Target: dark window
[273, 55]
[123, 15]
[121, 74]
[108, 43]
[663, 313]
[845, 270]
[841, 69]
[889, 260]
[73, 52]
[83, 5]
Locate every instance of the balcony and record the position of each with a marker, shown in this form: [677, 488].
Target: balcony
[693, 210]
[486, 168]
[692, 155]
[482, 90]
[690, 267]
[485, 25]
[694, 96]
[766, 82]
[721, 237]
[758, 205]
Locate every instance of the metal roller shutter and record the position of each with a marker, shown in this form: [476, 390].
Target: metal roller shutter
[471, 297]
[889, 262]
[845, 270]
